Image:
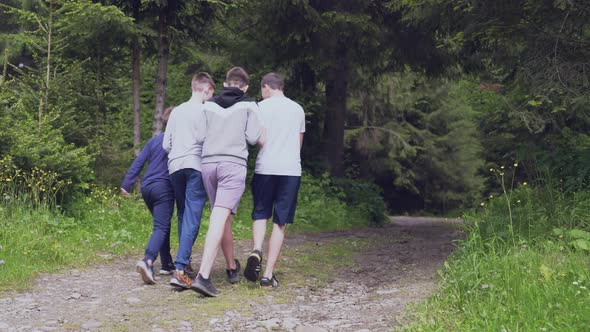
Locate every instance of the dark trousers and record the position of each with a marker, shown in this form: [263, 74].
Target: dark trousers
[159, 198]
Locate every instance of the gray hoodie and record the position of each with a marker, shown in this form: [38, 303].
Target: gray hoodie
[228, 131]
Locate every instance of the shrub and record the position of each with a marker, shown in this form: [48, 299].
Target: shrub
[363, 196]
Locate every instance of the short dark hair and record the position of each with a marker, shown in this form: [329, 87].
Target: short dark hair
[237, 76]
[166, 114]
[200, 79]
[274, 81]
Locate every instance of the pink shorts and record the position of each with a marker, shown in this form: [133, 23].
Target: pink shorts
[225, 183]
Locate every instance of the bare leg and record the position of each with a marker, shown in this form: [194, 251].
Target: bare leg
[274, 249]
[227, 244]
[258, 233]
[213, 239]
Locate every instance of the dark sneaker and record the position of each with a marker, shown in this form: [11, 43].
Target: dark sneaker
[233, 275]
[167, 269]
[253, 266]
[204, 286]
[269, 283]
[146, 271]
[181, 280]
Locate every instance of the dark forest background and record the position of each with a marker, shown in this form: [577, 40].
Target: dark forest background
[421, 98]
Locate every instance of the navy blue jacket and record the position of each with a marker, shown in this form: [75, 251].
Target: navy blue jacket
[157, 169]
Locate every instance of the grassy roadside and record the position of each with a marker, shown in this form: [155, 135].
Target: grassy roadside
[527, 269]
[103, 226]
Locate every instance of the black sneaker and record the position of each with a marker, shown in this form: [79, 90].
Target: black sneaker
[167, 269]
[253, 266]
[233, 275]
[269, 283]
[181, 280]
[146, 270]
[204, 286]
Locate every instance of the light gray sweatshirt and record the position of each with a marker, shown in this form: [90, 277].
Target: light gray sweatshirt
[181, 138]
[228, 131]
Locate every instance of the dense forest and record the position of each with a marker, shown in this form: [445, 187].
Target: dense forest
[420, 97]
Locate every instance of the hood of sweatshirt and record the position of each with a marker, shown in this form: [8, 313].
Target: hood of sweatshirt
[228, 96]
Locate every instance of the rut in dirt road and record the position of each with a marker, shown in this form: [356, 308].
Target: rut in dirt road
[366, 282]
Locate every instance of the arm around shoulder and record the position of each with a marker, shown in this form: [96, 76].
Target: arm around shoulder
[167, 141]
[254, 129]
[201, 126]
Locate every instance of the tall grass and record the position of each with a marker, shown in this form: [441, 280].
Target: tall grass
[531, 274]
[37, 235]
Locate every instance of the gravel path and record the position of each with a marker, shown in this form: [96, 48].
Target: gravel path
[395, 266]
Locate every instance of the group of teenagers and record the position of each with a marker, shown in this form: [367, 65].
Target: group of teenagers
[202, 154]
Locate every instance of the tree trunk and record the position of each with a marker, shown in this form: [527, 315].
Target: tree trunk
[336, 92]
[163, 52]
[135, 77]
[136, 80]
[44, 106]
[4, 69]
[304, 78]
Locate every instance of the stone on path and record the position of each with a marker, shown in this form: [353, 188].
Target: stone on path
[270, 324]
[75, 296]
[303, 328]
[133, 300]
[333, 323]
[91, 325]
[4, 326]
[184, 323]
[290, 323]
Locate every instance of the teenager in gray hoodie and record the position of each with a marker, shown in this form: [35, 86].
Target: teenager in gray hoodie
[231, 124]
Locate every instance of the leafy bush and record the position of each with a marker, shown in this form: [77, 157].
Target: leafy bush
[35, 139]
[362, 196]
[36, 187]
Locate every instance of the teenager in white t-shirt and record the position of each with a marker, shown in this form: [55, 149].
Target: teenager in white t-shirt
[277, 176]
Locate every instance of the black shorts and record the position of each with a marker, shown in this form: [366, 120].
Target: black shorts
[275, 196]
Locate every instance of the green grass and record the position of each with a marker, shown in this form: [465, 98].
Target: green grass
[535, 281]
[103, 226]
[41, 239]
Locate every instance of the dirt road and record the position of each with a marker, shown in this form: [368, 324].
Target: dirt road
[358, 280]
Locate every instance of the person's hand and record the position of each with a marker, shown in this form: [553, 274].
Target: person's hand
[124, 192]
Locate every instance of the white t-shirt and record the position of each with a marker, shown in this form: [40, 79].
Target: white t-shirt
[284, 121]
